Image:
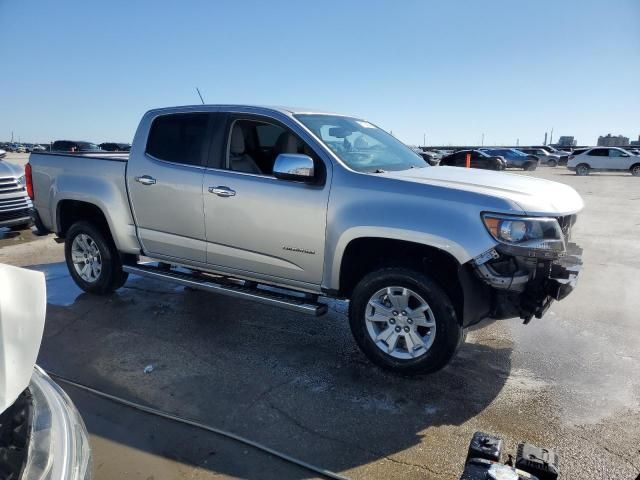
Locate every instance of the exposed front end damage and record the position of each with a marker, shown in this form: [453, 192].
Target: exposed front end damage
[524, 282]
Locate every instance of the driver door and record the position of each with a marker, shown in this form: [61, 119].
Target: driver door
[257, 225]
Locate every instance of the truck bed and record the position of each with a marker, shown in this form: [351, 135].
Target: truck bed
[96, 179]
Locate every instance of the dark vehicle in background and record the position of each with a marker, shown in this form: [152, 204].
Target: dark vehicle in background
[429, 157]
[74, 146]
[479, 159]
[115, 147]
[564, 159]
[514, 158]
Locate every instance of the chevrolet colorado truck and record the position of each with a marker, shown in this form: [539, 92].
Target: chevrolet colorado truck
[284, 206]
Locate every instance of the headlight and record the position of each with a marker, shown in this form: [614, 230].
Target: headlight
[22, 181]
[530, 233]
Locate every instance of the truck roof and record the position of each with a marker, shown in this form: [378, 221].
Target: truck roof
[257, 108]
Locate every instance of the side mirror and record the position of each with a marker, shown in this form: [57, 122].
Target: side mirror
[624, 155]
[294, 166]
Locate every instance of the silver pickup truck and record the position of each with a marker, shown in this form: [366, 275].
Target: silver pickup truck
[283, 206]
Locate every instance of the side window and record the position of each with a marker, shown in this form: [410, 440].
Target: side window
[598, 152]
[254, 145]
[614, 152]
[178, 138]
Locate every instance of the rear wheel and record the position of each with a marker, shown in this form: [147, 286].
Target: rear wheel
[582, 169]
[404, 322]
[552, 163]
[530, 166]
[93, 260]
[635, 170]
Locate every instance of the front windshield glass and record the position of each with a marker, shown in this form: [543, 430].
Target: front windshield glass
[361, 145]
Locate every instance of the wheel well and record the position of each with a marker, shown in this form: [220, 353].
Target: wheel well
[72, 211]
[583, 163]
[634, 165]
[364, 255]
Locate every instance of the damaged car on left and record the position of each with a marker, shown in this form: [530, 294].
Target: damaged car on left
[42, 435]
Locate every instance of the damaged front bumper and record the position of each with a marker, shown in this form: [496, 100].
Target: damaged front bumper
[525, 285]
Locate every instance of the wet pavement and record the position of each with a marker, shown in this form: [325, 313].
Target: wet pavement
[570, 381]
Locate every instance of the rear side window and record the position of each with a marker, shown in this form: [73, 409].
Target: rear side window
[599, 152]
[178, 138]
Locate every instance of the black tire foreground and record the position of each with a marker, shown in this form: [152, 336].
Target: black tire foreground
[111, 276]
[449, 334]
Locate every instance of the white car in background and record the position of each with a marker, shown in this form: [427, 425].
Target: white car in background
[3, 153]
[604, 159]
[42, 435]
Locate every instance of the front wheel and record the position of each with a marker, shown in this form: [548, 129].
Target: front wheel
[404, 322]
[93, 260]
[530, 167]
[552, 163]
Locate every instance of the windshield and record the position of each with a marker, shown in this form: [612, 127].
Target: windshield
[361, 145]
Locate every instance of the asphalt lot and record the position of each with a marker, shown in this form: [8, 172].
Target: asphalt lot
[570, 381]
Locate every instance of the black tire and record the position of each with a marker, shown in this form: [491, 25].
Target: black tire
[111, 276]
[530, 166]
[499, 166]
[448, 336]
[582, 169]
[552, 163]
[635, 170]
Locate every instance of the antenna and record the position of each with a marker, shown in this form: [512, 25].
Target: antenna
[200, 95]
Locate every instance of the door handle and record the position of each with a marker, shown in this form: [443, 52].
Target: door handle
[222, 191]
[146, 180]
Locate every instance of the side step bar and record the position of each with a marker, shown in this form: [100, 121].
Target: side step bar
[275, 299]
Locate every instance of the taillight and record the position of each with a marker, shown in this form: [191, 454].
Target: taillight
[29, 180]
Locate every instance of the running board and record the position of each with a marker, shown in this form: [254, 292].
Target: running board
[275, 299]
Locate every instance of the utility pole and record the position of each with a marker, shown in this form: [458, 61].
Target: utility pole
[424, 139]
[545, 138]
[482, 141]
[551, 141]
[11, 136]
[517, 142]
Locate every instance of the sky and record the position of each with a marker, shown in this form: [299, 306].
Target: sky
[448, 70]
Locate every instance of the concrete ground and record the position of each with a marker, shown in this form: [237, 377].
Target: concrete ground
[570, 381]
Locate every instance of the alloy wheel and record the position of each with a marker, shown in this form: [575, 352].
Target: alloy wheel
[400, 323]
[86, 258]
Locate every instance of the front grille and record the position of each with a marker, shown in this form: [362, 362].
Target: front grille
[10, 185]
[13, 214]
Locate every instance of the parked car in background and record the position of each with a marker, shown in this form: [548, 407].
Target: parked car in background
[115, 147]
[514, 158]
[16, 208]
[546, 158]
[38, 148]
[604, 159]
[20, 149]
[3, 153]
[74, 146]
[427, 156]
[42, 435]
[564, 159]
[479, 159]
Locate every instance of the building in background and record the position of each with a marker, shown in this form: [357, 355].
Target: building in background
[567, 141]
[613, 141]
[635, 143]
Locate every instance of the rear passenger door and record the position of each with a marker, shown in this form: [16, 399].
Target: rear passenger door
[598, 158]
[165, 186]
[618, 160]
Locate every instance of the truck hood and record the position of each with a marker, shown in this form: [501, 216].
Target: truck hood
[534, 196]
[10, 170]
[23, 301]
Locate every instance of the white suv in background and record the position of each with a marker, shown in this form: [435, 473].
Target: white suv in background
[604, 159]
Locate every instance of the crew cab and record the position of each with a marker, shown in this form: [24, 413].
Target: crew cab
[284, 207]
[604, 159]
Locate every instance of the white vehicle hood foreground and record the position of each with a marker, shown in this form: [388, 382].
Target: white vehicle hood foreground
[534, 196]
[23, 302]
